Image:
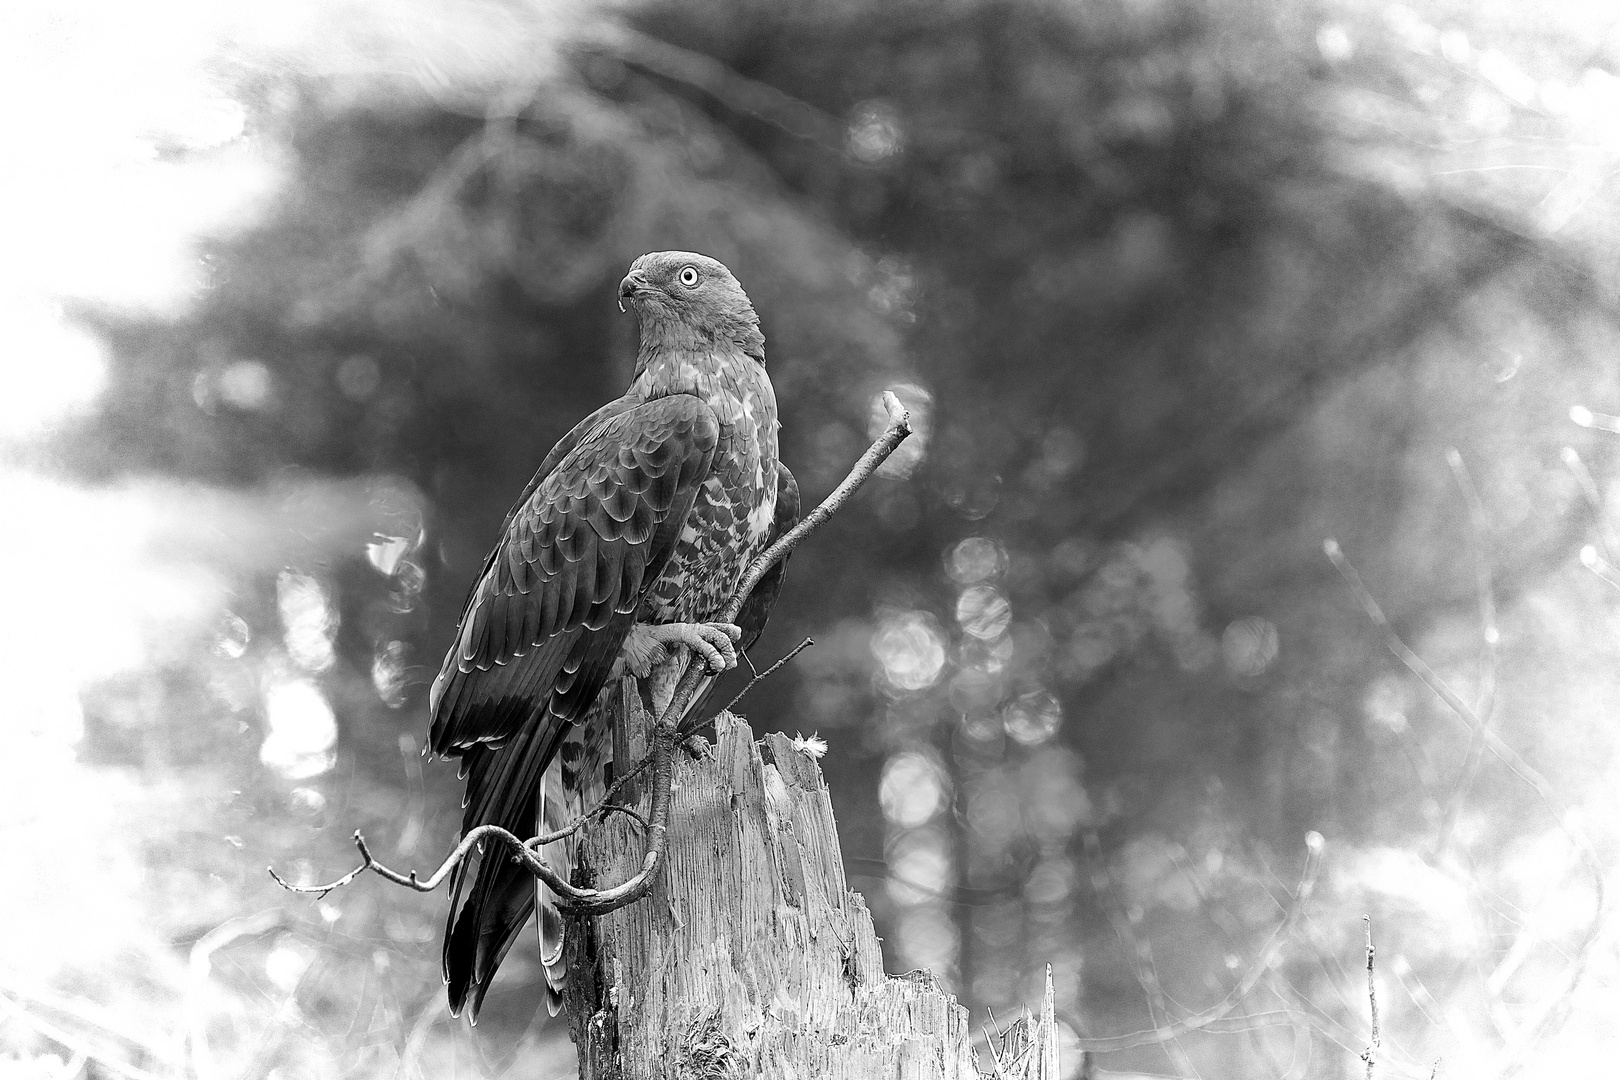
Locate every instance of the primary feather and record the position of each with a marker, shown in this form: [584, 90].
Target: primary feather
[648, 511]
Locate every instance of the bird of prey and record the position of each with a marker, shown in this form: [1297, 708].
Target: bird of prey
[629, 540]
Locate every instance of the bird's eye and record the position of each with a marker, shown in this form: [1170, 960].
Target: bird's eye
[688, 276]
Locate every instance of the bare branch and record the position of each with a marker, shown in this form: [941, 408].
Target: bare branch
[1370, 1055]
[897, 431]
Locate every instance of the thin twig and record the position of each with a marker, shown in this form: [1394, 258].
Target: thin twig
[1491, 636]
[1460, 710]
[767, 673]
[1263, 962]
[627, 811]
[1370, 1056]
[897, 431]
[1594, 501]
[1603, 568]
[1416, 664]
[665, 735]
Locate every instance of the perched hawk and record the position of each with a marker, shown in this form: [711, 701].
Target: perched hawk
[629, 539]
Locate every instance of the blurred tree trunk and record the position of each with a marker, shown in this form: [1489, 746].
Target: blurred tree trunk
[752, 957]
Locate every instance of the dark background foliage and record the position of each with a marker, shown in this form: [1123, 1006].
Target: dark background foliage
[1177, 290]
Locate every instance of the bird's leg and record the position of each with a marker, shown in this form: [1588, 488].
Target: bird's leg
[648, 644]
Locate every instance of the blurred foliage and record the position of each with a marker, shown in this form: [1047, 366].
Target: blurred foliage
[1179, 288]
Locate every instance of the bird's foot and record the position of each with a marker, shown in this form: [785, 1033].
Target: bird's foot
[648, 645]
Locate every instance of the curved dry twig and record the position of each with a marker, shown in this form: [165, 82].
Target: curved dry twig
[666, 734]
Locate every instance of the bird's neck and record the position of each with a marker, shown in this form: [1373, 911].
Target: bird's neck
[663, 335]
[733, 383]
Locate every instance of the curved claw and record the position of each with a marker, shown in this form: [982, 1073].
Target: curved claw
[648, 645]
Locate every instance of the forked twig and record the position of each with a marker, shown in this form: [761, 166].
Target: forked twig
[767, 673]
[666, 734]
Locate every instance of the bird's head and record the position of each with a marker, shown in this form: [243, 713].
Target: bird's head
[682, 293]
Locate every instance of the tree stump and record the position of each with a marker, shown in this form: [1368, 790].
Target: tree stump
[751, 956]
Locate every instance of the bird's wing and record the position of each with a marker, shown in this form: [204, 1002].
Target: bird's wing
[579, 550]
[540, 635]
[552, 459]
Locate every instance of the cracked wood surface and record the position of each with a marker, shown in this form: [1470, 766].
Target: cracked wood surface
[751, 957]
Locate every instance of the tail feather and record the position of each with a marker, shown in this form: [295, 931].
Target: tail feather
[504, 789]
[574, 783]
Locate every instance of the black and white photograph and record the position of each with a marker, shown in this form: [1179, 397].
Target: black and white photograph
[810, 540]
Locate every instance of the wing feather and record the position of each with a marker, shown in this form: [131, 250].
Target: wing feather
[540, 633]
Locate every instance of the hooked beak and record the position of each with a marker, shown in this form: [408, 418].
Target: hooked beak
[629, 287]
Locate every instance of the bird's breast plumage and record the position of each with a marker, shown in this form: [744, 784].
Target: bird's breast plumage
[730, 520]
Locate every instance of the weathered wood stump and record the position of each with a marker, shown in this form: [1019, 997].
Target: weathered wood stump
[751, 957]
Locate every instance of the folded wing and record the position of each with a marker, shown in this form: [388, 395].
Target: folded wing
[541, 632]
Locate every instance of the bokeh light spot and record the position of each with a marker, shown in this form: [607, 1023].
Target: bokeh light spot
[983, 612]
[911, 649]
[246, 384]
[388, 672]
[1033, 718]
[912, 790]
[286, 963]
[976, 559]
[928, 939]
[874, 132]
[231, 637]
[1249, 645]
[309, 618]
[303, 730]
